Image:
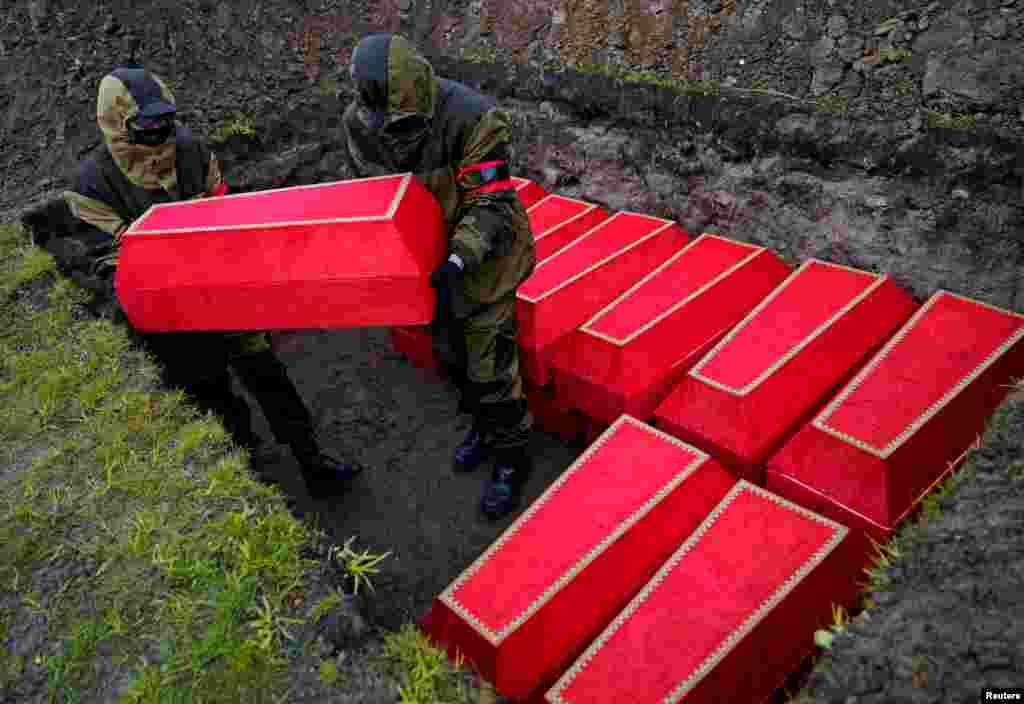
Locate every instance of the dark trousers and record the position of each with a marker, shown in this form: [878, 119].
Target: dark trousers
[198, 363]
[482, 354]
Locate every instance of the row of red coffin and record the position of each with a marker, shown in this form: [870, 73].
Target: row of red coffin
[722, 346]
[716, 340]
[729, 613]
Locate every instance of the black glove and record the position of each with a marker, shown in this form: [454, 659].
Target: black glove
[446, 280]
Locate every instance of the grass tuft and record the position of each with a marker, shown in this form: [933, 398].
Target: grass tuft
[423, 671]
[237, 124]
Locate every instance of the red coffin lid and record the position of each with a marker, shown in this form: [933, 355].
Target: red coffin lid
[689, 273]
[600, 245]
[749, 554]
[798, 311]
[357, 200]
[944, 347]
[603, 486]
[554, 211]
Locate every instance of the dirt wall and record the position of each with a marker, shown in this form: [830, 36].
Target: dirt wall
[877, 136]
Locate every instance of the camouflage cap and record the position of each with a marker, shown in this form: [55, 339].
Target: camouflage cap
[129, 92]
[126, 93]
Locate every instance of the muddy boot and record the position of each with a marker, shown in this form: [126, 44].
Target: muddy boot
[470, 452]
[324, 476]
[504, 490]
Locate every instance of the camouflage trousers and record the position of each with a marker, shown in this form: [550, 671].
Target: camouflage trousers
[482, 354]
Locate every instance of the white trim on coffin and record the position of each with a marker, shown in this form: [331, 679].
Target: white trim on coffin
[572, 279]
[879, 280]
[748, 625]
[931, 411]
[495, 638]
[590, 207]
[403, 186]
[622, 342]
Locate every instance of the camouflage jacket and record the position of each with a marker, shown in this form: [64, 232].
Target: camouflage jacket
[466, 133]
[102, 196]
[121, 180]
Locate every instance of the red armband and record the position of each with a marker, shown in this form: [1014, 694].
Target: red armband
[487, 177]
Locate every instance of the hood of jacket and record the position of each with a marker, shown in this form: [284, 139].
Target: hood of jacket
[122, 95]
[396, 94]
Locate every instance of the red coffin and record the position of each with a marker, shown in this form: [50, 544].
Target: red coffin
[343, 254]
[728, 616]
[549, 584]
[762, 381]
[529, 192]
[552, 415]
[627, 357]
[556, 221]
[897, 429]
[570, 286]
[416, 344]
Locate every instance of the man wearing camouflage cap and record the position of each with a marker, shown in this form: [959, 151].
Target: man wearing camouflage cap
[148, 158]
[456, 142]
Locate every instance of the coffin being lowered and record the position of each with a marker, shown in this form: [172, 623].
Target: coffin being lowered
[342, 254]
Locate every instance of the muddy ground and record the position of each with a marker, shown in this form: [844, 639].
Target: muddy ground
[402, 424]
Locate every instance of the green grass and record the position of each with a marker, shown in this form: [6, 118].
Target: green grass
[905, 88]
[424, 673]
[833, 104]
[238, 124]
[626, 75]
[480, 55]
[951, 120]
[895, 56]
[130, 522]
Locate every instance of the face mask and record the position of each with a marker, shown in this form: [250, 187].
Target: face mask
[404, 139]
[151, 131]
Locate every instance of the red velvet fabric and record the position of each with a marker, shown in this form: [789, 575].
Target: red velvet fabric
[712, 586]
[610, 365]
[534, 560]
[875, 493]
[556, 221]
[552, 415]
[567, 288]
[529, 192]
[744, 425]
[417, 346]
[285, 259]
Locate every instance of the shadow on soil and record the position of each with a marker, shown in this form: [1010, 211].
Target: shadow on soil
[403, 425]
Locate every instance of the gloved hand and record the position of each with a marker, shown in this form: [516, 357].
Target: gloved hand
[445, 281]
[106, 303]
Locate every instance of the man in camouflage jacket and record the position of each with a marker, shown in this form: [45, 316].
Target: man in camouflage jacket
[456, 142]
[148, 158]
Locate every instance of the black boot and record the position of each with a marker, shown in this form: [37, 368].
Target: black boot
[324, 476]
[504, 491]
[470, 452]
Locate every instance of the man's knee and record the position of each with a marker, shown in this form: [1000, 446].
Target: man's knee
[492, 353]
